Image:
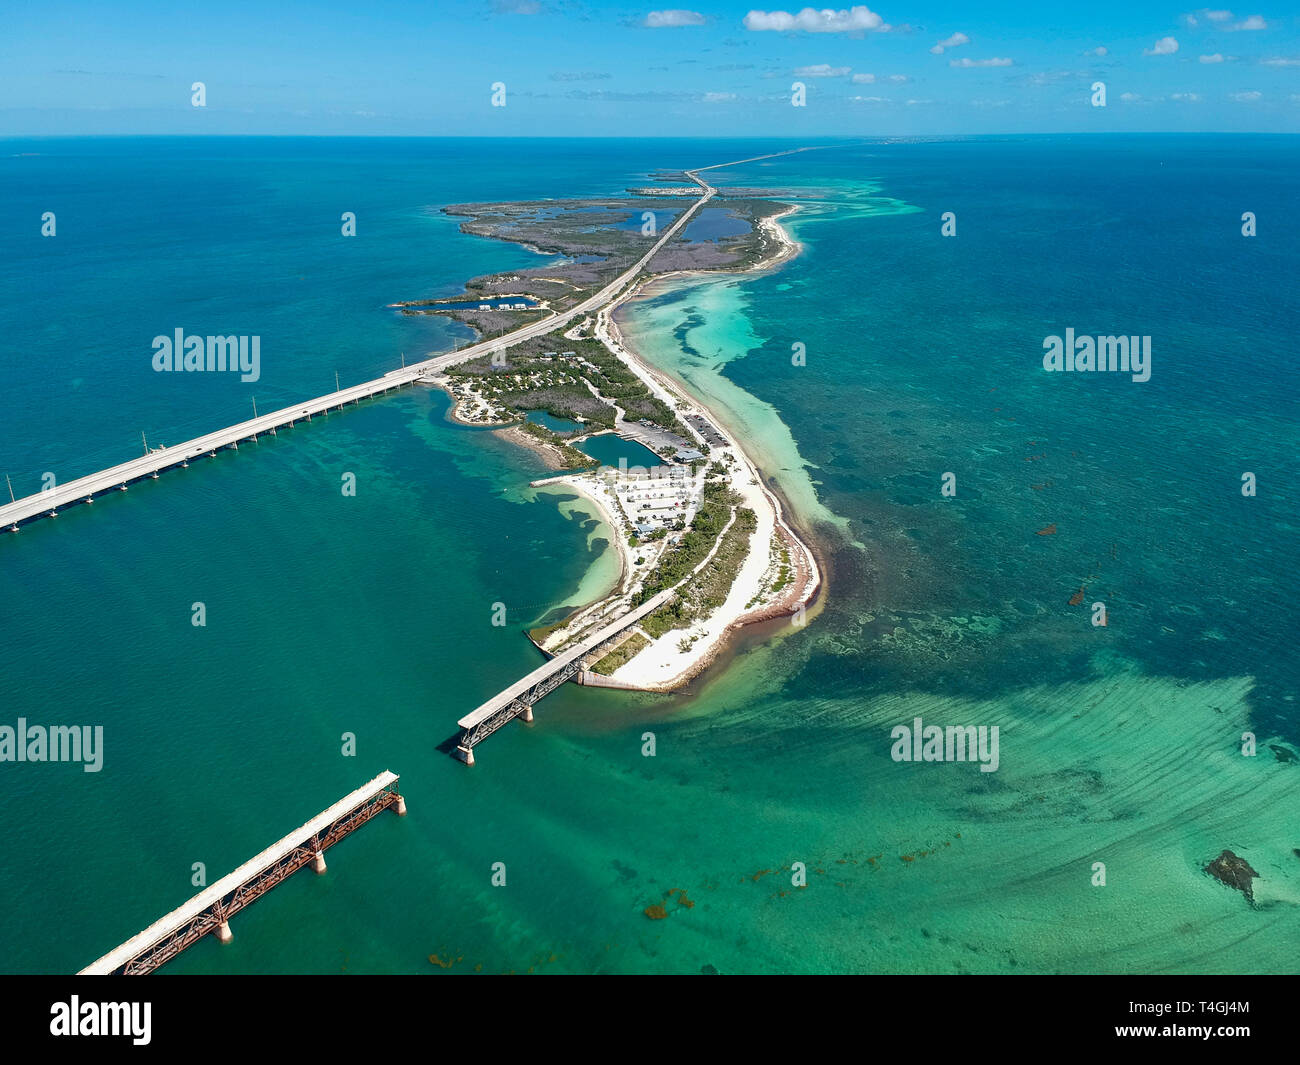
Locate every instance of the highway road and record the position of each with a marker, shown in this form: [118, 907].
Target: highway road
[49, 502]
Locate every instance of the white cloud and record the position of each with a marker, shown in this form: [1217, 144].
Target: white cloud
[1049, 77]
[868, 100]
[1129, 97]
[1281, 61]
[1193, 20]
[1245, 97]
[717, 97]
[966, 61]
[1164, 46]
[821, 70]
[673, 16]
[857, 19]
[1216, 58]
[949, 42]
[863, 79]
[899, 77]
[1185, 97]
[913, 103]
[1254, 22]
[1100, 50]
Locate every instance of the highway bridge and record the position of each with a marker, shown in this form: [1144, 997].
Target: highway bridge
[47, 503]
[516, 700]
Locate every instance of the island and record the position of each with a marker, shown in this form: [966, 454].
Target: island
[690, 510]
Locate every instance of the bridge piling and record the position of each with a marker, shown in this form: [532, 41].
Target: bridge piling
[209, 911]
[517, 701]
[33, 506]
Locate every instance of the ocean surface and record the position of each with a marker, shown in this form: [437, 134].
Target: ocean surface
[371, 615]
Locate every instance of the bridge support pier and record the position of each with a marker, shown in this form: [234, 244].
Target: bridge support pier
[318, 863]
[465, 754]
[223, 933]
[400, 807]
[527, 715]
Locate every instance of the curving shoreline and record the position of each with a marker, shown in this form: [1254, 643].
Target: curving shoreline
[807, 581]
[773, 566]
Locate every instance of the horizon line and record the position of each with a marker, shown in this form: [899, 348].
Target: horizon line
[851, 137]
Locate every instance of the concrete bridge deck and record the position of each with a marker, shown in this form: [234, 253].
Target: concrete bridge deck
[84, 489]
[518, 699]
[211, 909]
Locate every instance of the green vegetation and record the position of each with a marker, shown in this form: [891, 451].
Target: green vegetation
[622, 654]
[708, 589]
[783, 572]
[696, 542]
[570, 456]
[538, 375]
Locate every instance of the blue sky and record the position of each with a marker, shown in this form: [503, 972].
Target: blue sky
[574, 68]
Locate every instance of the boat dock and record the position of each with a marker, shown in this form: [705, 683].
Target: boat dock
[211, 909]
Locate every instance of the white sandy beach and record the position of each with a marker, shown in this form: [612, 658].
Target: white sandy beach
[665, 665]
[680, 654]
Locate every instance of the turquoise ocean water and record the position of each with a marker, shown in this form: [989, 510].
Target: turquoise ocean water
[372, 614]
